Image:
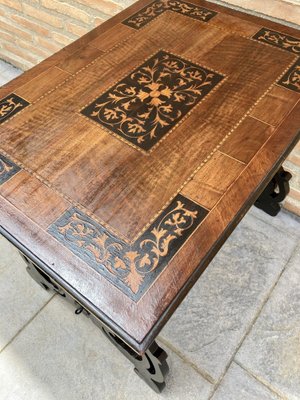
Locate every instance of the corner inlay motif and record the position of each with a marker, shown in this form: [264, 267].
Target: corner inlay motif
[148, 13]
[291, 79]
[7, 169]
[10, 106]
[132, 268]
[278, 39]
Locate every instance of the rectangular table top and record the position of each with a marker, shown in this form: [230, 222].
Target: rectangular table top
[127, 158]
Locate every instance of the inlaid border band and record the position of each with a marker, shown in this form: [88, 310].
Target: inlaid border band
[278, 39]
[291, 80]
[7, 169]
[132, 268]
[10, 106]
[152, 10]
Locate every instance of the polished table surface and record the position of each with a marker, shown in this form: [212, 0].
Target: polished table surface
[127, 158]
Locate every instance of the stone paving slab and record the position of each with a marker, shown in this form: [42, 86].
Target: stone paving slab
[8, 72]
[211, 322]
[284, 221]
[272, 349]
[63, 356]
[239, 385]
[20, 297]
[8, 255]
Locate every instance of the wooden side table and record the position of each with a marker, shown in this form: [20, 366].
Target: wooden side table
[129, 157]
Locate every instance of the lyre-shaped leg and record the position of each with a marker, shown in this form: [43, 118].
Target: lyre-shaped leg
[274, 193]
[152, 366]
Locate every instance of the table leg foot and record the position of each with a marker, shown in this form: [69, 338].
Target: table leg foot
[274, 193]
[152, 366]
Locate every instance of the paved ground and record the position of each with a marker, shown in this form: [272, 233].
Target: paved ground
[7, 72]
[235, 337]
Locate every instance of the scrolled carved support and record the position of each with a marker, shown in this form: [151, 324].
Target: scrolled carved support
[152, 366]
[274, 193]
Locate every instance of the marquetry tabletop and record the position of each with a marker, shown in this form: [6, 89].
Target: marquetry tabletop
[127, 158]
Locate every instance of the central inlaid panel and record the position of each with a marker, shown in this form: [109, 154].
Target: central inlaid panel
[145, 105]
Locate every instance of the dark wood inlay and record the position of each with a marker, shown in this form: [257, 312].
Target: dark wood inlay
[7, 169]
[10, 106]
[291, 79]
[156, 8]
[278, 39]
[146, 104]
[132, 268]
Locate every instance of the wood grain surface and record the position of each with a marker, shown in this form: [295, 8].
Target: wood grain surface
[127, 158]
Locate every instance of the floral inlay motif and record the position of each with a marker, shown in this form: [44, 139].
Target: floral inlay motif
[291, 79]
[7, 169]
[133, 267]
[156, 8]
[278, 39]
[150, 101]
[11, 105]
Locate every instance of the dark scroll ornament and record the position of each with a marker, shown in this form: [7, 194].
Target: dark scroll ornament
[291, 79]
[153, 10]
[278, 39]
[10, 106]
[274, 193]
[7, 169]
[132, 268]
[145, 105]
[152, 366]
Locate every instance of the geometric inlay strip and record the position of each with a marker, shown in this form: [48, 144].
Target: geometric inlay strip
[7, 169]
[151, 100]
[130, 267]
[278, 39]
[156, 8]
[291, 79]
[10, 106]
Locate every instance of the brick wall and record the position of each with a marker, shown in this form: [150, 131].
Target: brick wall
[31, 30]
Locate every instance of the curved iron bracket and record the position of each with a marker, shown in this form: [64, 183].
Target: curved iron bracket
[274, 193]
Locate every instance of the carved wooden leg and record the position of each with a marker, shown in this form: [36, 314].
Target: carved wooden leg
[152, 367]
[274, 193]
